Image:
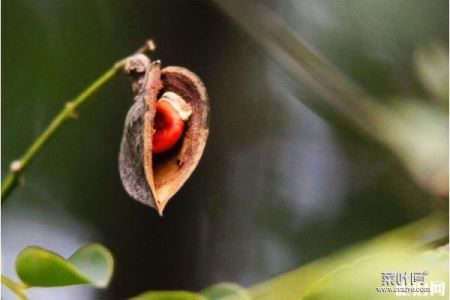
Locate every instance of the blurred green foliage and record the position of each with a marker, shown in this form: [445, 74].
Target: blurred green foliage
[169, 295]
[431, 65]
[218, 291]
[355, 272]
[359, 279]
[225, 290]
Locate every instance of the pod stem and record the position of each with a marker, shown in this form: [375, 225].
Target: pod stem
[69, 110]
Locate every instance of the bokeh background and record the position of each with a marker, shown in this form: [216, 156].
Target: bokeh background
[281, 183]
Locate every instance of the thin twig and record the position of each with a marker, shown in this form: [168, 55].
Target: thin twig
[16, 288]
[306, 65]
[379, 121]
[18, 166]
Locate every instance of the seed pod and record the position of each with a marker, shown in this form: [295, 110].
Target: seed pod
[154, 178]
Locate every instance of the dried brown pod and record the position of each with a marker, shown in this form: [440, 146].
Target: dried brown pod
[154, 178]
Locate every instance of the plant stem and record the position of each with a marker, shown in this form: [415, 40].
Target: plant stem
[15, 287]
[18, 166]
[304, 64]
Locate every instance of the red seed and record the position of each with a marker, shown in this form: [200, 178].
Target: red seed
[169, 127]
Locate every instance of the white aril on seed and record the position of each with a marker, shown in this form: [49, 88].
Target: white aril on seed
[183, 108]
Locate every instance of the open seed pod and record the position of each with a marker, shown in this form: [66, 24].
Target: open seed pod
[154, 178]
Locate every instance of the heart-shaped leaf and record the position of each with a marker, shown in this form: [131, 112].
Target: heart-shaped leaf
[169, 295]
[225, 290]
[92, 264]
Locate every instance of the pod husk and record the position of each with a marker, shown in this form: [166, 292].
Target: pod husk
[154, 179]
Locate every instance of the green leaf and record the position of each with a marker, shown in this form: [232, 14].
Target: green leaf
[354, 272]
[225, 290]
[169, 295]
[91, 264]
[360, 279]
[96, 262]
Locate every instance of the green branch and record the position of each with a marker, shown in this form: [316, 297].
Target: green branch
[69, 110]
[18, 166]
[16, 288]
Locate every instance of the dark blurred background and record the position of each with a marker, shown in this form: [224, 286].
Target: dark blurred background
[279, 184]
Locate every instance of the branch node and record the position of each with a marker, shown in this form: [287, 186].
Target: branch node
[71, 108]
[15, 166]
